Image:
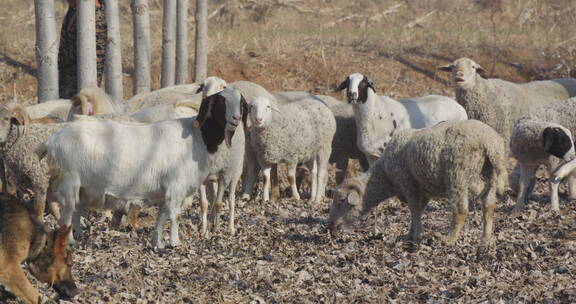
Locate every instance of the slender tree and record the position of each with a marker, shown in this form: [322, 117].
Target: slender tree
[86, 44]
[142, 53]
[114, 86]
[46, 50]
[182, 42]
[201, 64]
[168, 43]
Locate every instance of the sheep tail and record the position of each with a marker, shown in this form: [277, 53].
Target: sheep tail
[499, 172]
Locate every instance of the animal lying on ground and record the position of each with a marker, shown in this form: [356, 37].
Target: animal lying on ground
[459, 161]
[24, 239]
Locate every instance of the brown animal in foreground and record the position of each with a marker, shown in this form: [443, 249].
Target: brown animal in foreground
[24, 239]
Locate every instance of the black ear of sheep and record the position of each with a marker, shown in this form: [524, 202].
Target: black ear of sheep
[344, 84]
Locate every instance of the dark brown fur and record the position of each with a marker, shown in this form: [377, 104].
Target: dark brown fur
[24, 239]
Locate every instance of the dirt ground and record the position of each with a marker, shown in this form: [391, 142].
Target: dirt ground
[282, 252]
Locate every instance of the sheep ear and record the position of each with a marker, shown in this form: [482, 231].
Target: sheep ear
[370, 84]
[556, 142]
[244, 108]
[480, 70]
[205, 110]
[344, 84]
[200, 89]
[446, 68]
[354, 198]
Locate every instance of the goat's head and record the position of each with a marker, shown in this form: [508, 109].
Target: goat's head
[463, 72]
[211, 86]
[558, 141]
[261, 109]
[219, 116]
[357, 86]
[12, 114]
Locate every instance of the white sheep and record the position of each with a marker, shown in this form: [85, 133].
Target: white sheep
[94, 101]
[497, 102]
[460, 161]
[299, 132]
[162, 162]
[51, 108]
[378, 117]
[544, 136]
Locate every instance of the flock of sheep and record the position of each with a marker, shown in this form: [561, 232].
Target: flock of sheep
[92, 152]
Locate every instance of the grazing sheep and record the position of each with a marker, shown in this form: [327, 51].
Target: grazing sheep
[544, 136]
[378, 117]
[299, 132]
[454, 160]
[162, 162]
[497, 102]
[19, 140]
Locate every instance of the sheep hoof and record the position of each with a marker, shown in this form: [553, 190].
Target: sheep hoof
[245, 197]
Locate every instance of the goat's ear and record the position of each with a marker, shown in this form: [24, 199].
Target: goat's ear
[205, 110]
[446, 68]
[344, 84]
[200, 89]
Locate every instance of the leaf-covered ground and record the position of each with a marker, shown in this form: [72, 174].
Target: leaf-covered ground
[282, 253]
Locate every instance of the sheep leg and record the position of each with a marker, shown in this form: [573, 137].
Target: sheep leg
[526, 176]
[250, 173]
[77, 224]
[459, 214]
[204, 211]
[216, 207]
[266, 191]
[69, 190]
[322, 164]
[292, 180]
[571, 186]
[3, 180]
[133, 213]
[157, 235]
[275, 185]
[313, 166]
[117, 215]
[174, 212]
[232, 204]
[488, 211]
[341, 170]
[416, 209]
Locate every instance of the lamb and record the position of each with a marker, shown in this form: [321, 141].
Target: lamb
[162, 162]
[301, 131]
[499, 103]
[19, 140]
[378, 117]
[454, 160]
[544, 136]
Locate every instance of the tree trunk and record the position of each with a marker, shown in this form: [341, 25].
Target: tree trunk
[114, 85]
[46, 50]
[201, 66]
[142, 53]
[182, 42]
[86, 44]
[168, 43]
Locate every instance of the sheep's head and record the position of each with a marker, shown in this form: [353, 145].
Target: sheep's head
[463, 72]
[356, 86]
[211, 86]
[219, 116]
[346, 204]
[261, 111]
[12, 114]
[558, 141]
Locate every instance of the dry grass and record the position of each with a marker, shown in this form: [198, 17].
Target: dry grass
[311, 45]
